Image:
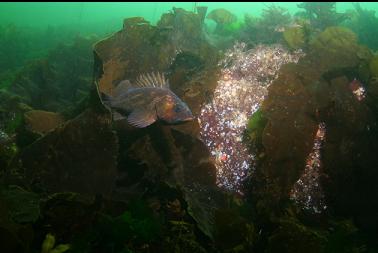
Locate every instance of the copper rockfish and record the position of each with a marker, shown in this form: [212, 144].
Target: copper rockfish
[146, 102]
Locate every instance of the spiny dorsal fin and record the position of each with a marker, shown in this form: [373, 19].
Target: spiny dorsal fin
[152, 80]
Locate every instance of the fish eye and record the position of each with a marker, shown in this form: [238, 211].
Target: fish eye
[177, 109]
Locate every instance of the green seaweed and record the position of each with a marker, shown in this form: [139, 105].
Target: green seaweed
[49, 243]
[255, 127]
[338, 48]
[294, 37]
[335, 38]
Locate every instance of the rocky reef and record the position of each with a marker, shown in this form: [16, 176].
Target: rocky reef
[319, 89]
[281, 156]
[165, 167]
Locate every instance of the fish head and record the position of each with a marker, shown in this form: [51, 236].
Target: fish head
[173, 110]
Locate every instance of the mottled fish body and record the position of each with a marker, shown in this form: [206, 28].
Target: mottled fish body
[146, 102]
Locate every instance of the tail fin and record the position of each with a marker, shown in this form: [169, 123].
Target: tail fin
[107, 102]
[106, 99]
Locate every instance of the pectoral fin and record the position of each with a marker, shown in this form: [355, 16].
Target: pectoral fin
[142, 118]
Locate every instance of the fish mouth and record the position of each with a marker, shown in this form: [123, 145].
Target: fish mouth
[190, 118]
[184, 120]
[179, 122]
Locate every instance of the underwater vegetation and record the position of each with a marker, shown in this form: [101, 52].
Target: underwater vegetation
[322, 15]
[18, 45]
[265, 29]
[363, 22]
[281, 155]
[222, 16]
[21, 44]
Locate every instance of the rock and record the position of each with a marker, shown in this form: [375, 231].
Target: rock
[181, 237]
[351, 135]
[66, 214]
[78, 156]
[41, 122]
[288, 135]
[203, 203]
[374, 66]
[292, 236]
[11, 243]
[234, 231]
[23, 206]
[174, 46]
[17, 205]
[160, 154]
[317, 89]
[35, 124]
[195, 86]
[161, 150]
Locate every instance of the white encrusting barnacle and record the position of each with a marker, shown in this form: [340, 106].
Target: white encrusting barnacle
[307, 191]
[245, 78]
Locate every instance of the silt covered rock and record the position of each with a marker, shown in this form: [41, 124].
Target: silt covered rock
[319, 88]
[78, 156]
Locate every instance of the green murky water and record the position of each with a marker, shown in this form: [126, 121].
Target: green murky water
[107, 15]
